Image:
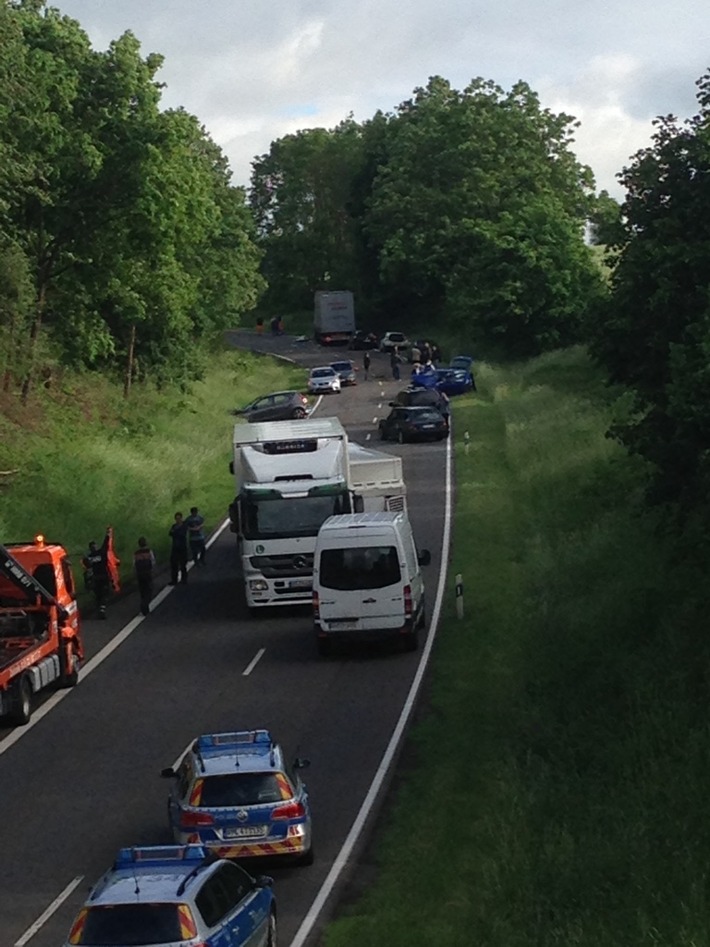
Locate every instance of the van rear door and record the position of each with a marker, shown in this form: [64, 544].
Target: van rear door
[361, 587]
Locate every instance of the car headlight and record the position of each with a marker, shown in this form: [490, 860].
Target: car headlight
[258, 585]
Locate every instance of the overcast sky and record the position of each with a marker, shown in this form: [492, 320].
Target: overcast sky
[253, 71]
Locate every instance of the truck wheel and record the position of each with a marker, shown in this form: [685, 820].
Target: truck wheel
[21, 702]
[70, 668]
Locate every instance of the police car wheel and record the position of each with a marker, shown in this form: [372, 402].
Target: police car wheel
[21, 702]
[308, 857]
[271, 939]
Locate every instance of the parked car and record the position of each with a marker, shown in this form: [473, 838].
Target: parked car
[323, 379]
[462, 361]
[235, 794]
[454, 381]
[346, 370]
[176, 894]
[413, 424]
[423, 398]
[394, 340]
[279, 406]
[362, 340]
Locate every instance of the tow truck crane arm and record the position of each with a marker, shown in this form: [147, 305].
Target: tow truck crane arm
[19, 576]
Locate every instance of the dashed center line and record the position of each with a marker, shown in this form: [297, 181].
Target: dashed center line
[250, 667]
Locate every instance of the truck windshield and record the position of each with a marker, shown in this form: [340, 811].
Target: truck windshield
[276, 518]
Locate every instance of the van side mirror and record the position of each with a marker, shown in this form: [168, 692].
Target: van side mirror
[424, 557]
[300, 763]
[167, 773]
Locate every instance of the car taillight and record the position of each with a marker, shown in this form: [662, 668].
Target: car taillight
[193, 820]
[316, 605]
[292, 810]
[407, 601]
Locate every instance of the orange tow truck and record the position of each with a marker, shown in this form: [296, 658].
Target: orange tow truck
[40, 631]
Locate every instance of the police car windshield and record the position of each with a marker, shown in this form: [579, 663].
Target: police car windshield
[126, 925]
[361, 567]
[243, 789]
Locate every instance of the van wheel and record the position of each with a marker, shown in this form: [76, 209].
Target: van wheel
[324, 646]
[21, 702]
[411, 641]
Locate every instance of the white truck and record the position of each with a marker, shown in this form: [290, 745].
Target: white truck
[290, 477]
[333, 317]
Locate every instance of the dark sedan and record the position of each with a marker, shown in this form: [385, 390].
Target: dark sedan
[423, 398]
[362, 340]
[346, 370]
[414, 424]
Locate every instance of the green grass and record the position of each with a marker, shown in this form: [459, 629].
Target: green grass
[85, 458]
[555, 779]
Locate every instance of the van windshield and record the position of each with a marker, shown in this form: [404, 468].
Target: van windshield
[359, 567]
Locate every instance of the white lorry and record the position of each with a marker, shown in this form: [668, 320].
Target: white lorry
[333, 317]
[290, 477]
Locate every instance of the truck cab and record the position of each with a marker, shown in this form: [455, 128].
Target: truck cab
[40, 631]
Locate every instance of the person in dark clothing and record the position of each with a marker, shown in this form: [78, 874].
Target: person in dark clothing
[178, 551]
[366, 364]
[97, 574]
[196, 536]
[395, 362]
[143, 563]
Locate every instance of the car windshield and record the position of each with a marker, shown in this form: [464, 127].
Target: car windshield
[461, 361]
[361, 567]
[322, 373]
[125, 925]
[396, 337]
[244, 789]
[342, 366]
[425, 414]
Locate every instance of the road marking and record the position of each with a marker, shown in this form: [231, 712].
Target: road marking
[368, 436]
[98, 659]
[250, 667]
[45, 915]
[343, 857]
[374, 420]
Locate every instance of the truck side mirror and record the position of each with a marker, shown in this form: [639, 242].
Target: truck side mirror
[424, 557]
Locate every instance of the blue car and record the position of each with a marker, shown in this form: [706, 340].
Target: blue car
[235, 794]
[176, 894]
[455, 381]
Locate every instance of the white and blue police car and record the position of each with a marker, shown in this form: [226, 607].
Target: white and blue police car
[176, 896]
[235, 794]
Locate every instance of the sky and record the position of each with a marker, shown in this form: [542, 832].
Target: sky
[253, 71]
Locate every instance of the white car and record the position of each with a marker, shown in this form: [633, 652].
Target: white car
[323, 379]
[394, 340]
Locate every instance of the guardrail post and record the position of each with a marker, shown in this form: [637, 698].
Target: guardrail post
[459, 595]
[466, 441]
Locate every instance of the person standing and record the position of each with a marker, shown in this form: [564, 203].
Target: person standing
[394, 363]
[366, 364]
[143, 563]
[196, 536]
[101, 571]
[178, 551]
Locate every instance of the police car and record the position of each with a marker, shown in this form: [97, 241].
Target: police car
[234, 794]
[174, 895]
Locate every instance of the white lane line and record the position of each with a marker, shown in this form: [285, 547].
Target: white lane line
[374, 420]
[97, 660]
[250, 667]
[45, 915]
[368, 436]
[343, 856]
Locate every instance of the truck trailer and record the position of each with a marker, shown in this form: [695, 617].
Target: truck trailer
[333, 317]
[290, 476]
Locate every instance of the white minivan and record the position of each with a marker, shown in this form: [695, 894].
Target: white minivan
[367, 580]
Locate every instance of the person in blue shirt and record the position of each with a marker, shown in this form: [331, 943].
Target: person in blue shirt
[178, 551]
[195, 535]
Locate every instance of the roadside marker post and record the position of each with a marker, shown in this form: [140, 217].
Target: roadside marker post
[459, 595]
[466, 441]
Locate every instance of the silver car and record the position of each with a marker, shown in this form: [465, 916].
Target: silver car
[346, 370]
[324, 379]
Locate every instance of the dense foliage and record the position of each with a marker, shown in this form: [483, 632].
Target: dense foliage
[464, 205]
[655, 334]
[122, 242]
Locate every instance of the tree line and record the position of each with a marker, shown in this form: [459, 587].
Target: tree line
[123, 245]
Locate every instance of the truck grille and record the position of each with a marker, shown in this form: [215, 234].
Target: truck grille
[283, 567]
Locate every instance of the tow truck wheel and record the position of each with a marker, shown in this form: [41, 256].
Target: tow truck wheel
[21, 702]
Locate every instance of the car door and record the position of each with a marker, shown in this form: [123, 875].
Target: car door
[234, 908]
[279, 407]
[259, 410]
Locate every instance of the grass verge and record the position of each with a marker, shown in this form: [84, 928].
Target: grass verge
[556, 778]
[86, 458]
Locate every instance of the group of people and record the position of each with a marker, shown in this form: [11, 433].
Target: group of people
[422, 357]
[100, 563]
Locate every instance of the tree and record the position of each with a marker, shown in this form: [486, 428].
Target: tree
[654, 335]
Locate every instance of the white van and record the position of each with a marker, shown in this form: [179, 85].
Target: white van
[367, 580]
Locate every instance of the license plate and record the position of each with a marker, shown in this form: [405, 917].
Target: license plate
[427, 427]
[300, 583]
[246, 831]
[342, 625]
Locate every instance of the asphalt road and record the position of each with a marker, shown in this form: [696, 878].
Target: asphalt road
[83, 780]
